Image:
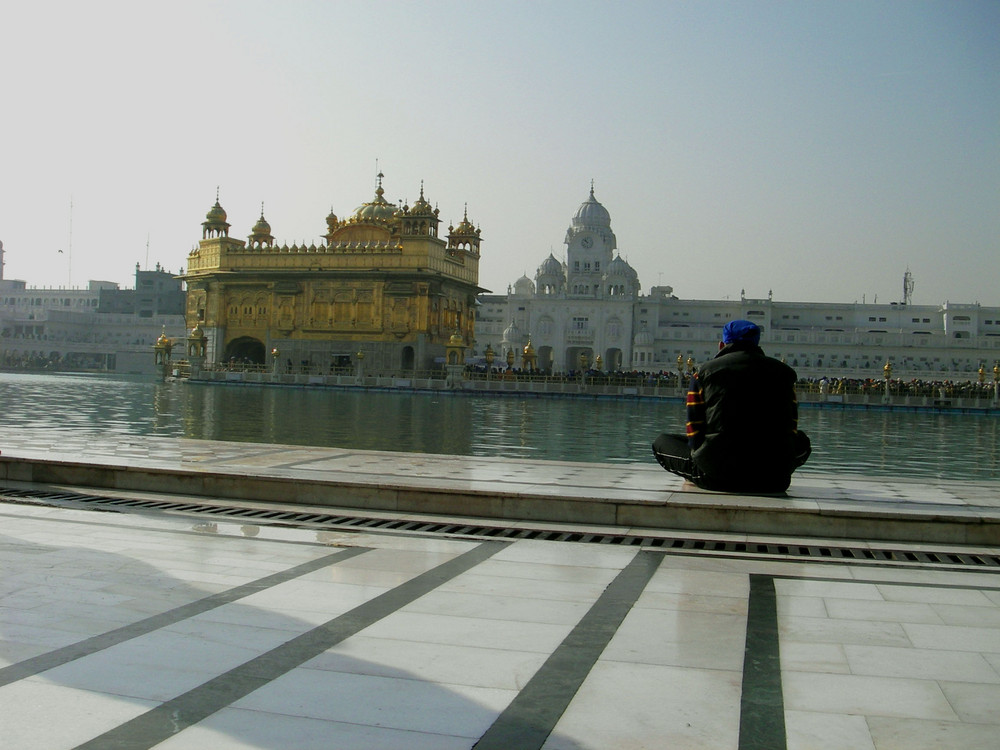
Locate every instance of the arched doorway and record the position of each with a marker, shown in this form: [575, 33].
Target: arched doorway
[573, 363]
[408, 358]
[613, 360]
[245, 350]
[545, 358]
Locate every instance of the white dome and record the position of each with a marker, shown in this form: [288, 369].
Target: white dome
[512, 333]
[524, 287]
[550, 267]
[620, 267]
[592, 214]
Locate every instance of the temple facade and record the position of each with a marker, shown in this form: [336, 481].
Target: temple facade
[587, 312]
[381, 283]
[574, 311]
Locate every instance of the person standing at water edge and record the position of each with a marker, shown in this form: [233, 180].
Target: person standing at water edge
[742, 420]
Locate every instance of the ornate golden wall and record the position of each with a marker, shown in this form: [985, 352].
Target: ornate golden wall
[380, 281]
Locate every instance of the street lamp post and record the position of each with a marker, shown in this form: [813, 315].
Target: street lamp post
[361, 366]
[489, 354]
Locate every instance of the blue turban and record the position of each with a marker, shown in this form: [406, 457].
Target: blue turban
[741, 330]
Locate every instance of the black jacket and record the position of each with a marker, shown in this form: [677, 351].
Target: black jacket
[743, 421]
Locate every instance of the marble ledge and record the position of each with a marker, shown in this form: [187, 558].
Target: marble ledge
[317, 477]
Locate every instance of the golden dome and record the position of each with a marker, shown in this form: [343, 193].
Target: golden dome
[465, 226]
[215, 220]
[421, 206]
[378, 211]
[216, 214]
[456, 339]
[197, 332]
[162, 340]
[261, 228]
[529, 350]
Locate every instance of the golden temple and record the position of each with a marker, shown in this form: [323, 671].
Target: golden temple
[381, 282]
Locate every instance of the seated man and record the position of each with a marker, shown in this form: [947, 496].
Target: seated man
[742, 420]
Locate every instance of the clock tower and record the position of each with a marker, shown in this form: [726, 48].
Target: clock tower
[589, 247]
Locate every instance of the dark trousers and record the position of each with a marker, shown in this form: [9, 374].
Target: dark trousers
[673, 454]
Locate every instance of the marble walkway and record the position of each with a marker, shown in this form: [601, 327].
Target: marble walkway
[139, 627]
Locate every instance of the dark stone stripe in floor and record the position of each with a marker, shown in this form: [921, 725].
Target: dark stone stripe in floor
[175, 715]
[762, 707]
[60, 656]
[531, 716]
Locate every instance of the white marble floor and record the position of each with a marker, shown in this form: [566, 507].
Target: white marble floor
[141, 629]
[629, 495]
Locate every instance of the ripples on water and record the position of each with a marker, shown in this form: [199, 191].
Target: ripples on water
[899, 444]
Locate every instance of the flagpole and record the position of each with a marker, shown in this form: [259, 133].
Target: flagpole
[69, 254]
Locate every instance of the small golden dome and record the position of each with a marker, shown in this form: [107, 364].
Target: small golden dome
[421, 207]
[216, 214]
[197, 332]
[456, 339]
[465, 226]
[261, 228]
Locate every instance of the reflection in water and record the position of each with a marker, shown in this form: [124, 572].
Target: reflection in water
[900, 444]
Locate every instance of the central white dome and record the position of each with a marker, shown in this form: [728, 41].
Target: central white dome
[592, 214]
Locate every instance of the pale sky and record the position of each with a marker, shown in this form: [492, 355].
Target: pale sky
[814, 148]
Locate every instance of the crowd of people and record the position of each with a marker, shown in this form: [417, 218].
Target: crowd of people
[818, 386]
[36, 361]
[899, 387]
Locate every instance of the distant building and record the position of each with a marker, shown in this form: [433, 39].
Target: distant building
[590, 306]
[98, 328]
[157, 293]
[381, 281]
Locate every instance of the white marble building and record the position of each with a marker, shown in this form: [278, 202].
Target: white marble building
[591, 305]
[581, 307]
